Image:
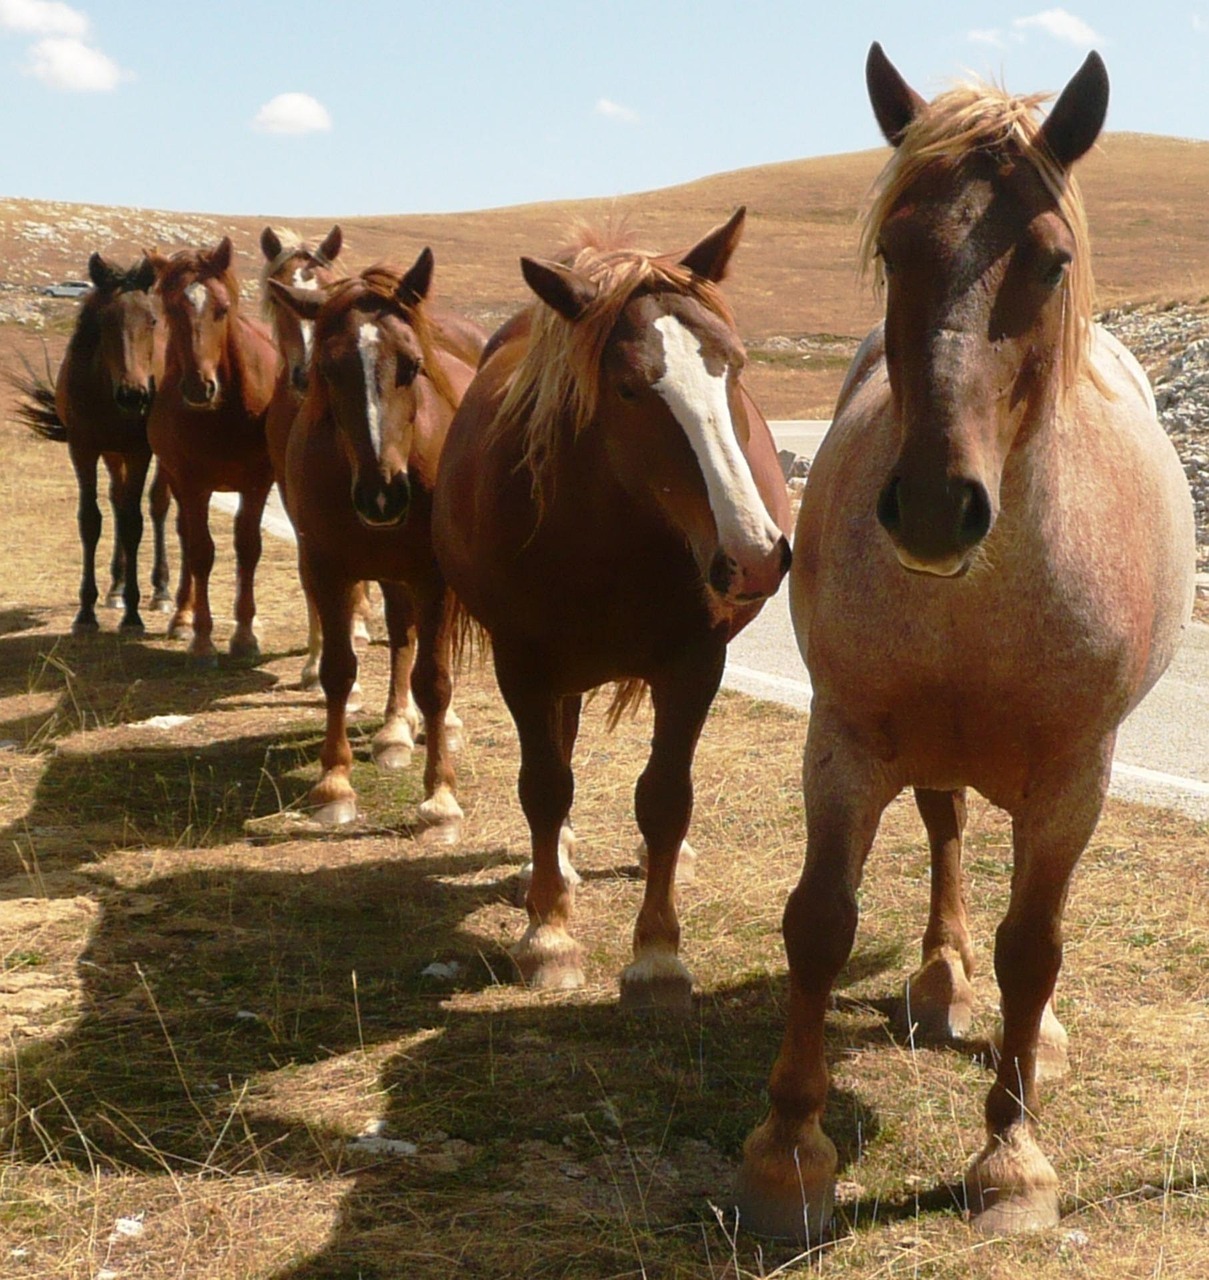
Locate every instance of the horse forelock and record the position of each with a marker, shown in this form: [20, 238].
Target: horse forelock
[982, 119]
[187, 267]
[554, 391]
[375, 288]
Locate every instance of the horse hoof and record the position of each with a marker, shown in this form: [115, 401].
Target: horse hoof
[1053, 1047]
[244, 650]
[1011, 1188]
[204, 660]
[161, 603]
[114, 600]
[454, 741]
[392, 755]
[85, 627]
[133, 627]
[938, 1002]
[441, 809]
[786, 1186]
[657, 983]
[549, 959]
[360, 632]
[686, 862]
[335, 813]
[355, 700]
[442, 835]
[309, 679]
[178, 630]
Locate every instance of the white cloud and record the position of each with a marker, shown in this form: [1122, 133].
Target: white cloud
[292, 113]
[63, 62]
[43, 18]
[615, 111]
[1062, 26]
[991, 35]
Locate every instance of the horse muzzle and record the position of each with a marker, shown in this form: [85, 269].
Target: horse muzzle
[382, 503]
[744, 580]
[935, 530]
[201, 393]
[134, 400]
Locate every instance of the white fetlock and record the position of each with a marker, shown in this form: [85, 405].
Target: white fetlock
[571, 877]
[441, 808]
[657, 979]
[686, 862]
[549, 959]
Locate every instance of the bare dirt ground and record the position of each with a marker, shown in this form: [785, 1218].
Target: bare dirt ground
[232, 1058]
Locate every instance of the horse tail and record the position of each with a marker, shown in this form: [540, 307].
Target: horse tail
[35, 405]
[471, 641]
[627, 698]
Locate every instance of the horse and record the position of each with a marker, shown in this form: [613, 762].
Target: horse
[360, 466]
[288, 260]
[98, 407]
[207, 427]
[994, 562]
[610, 508]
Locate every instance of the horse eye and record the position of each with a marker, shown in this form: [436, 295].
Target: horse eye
[1055, 272]
[406, 371]
[626, 393]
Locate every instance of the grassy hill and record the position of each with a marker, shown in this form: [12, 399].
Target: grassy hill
[793, 284]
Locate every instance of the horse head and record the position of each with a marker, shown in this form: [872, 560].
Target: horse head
[125, 316]
[978, 234]
[200, 297]
[367, 371]
[668, 403]
[289, 261]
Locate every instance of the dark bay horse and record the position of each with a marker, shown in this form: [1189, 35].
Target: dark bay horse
[361, 465]
[993, 564]
[207, 427]
[610, 508]
[290, 261]
[98, 407]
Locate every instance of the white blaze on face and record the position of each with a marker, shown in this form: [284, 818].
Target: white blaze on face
[196, 293]
[697, 399]
[303, 279]
[367, 345]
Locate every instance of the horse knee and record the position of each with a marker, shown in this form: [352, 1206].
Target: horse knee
[819, 929]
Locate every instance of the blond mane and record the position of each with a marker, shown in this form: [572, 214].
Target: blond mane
[982, 118]
[553, 393]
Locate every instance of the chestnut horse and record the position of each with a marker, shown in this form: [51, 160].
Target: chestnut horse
[289, 261]
[98, 407]
[993, 564]
[610, 508]
[207, 427]
[360, 468]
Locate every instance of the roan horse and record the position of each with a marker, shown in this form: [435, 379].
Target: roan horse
[610, 508]
[993, 564]
[360, 466]
[207, 427]
[98, 407]
[288, 260]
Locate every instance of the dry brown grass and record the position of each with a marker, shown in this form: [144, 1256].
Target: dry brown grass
[552, 1136]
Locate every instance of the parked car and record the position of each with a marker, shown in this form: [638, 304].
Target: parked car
[67, 289]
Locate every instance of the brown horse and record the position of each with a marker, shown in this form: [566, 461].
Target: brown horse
[288, 260]
[98, 407]
[360, 467]
[207, 427]
[993, 564]
[610, 508]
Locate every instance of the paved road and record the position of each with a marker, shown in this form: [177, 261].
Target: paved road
[1163, 749]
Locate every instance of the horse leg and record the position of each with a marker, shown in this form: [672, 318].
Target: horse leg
[396, 740]
[332, 799]
[571, 705]
[433, 684]
[197, 548]
[363, 612]
[159, 502]
[118, 570]
[939, 998]
[663, 804]
[128, 514]
[309, 677]
[247, 556]
[88, 517]
[786, 1183]
[546, 956]
[180, 625]
[1010, 1186]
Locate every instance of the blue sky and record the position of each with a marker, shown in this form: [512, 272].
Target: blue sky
[371, 106]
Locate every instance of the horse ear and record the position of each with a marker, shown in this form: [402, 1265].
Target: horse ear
[332, 244]
[157, 260]
[895, 103]
[99, 271]
[220, 259]
[711, 255]
[414, 286]
[270, 244]
[1078, 115]
[304, 303]
[559, 287]
[144, 275]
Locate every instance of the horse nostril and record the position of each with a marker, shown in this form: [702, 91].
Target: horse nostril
[975, 520]
[721, 572]
[888, 514]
